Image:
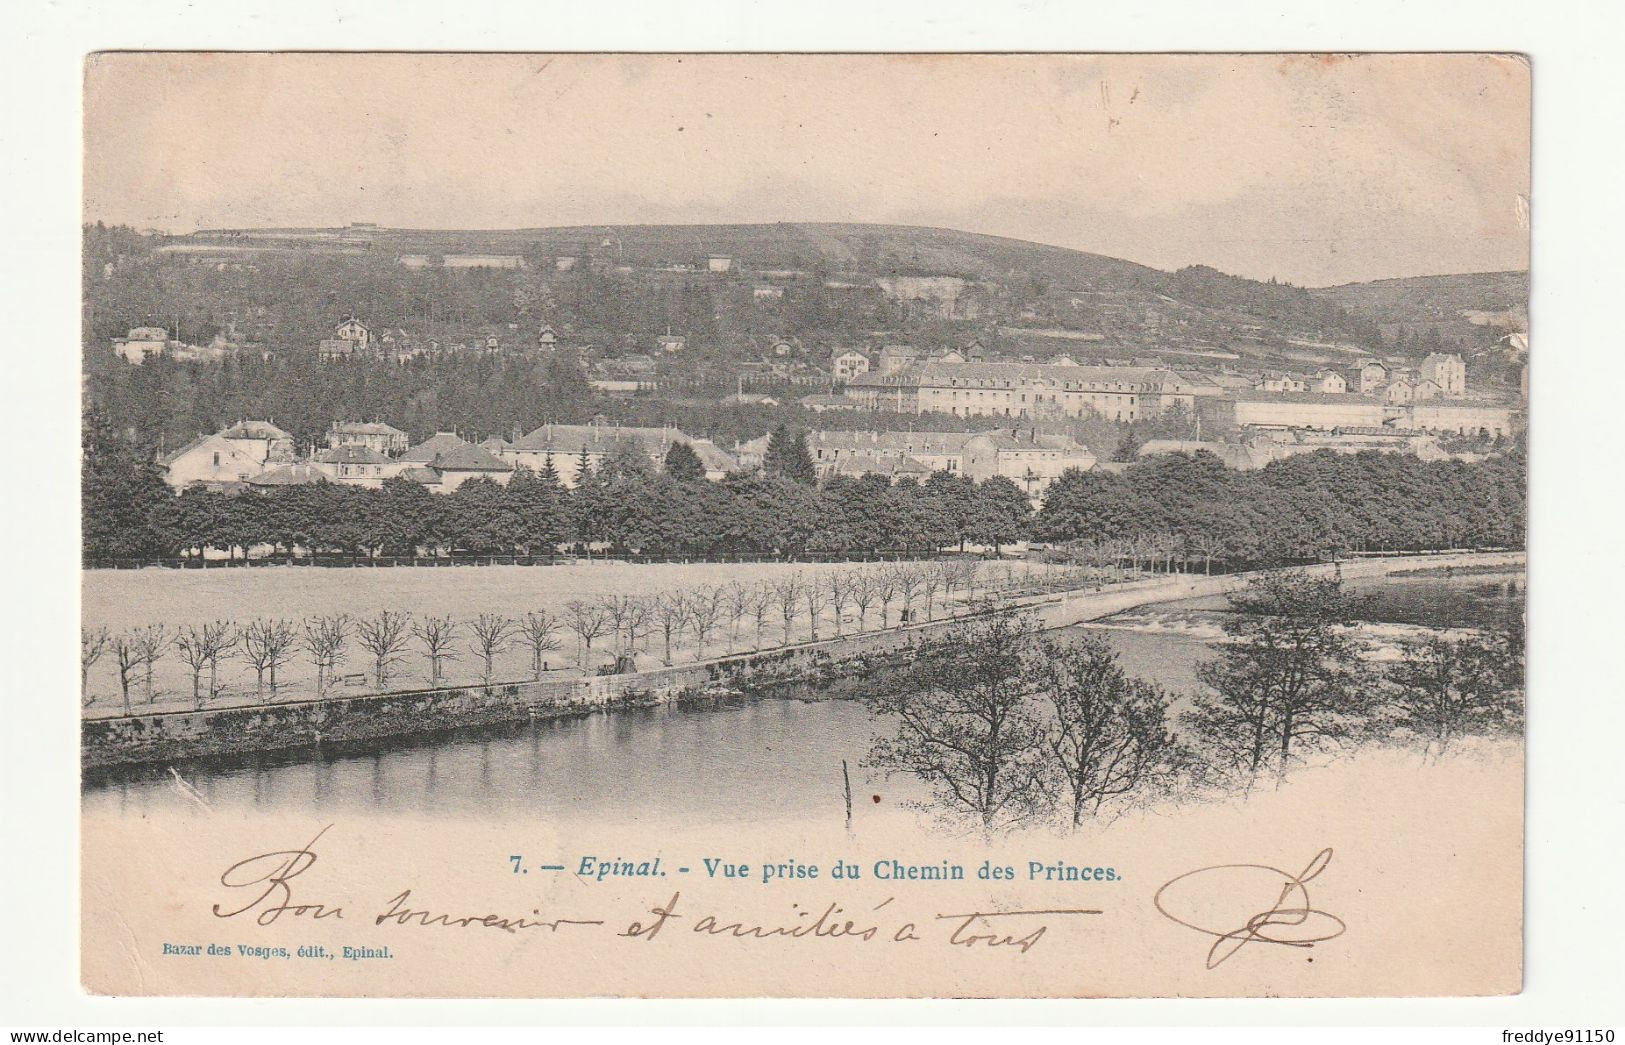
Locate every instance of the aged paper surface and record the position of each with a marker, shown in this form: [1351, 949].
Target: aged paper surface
[804, 526]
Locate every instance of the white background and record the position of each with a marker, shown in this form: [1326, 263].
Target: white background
[1575, 964]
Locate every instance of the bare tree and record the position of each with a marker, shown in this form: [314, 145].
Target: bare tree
[618, 609]
[761, 603]
[787, 596]
[885, 591]
[127, 655]
[639, 619]
[491, 634]
[268, 645]
[932, 577]
[385, 637]
[588, 620]
[736, 601]
[326, 640]
[909, 581]
[672, 614]
[153, 642]
[1209, 547]
[705, 605]
[202, 646]
[538, 631]
[93, 642]
[438, 636]
[815, 597]
[964, 720]
[839, 586]
[863, 596]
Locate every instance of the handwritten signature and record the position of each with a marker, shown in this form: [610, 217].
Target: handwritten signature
[1209, 898]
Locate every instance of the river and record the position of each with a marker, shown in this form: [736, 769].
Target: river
[772, 760]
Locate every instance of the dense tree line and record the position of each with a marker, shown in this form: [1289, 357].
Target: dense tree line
[1006, 725]
[1313, 506]
[625, 506]
[1304, 507]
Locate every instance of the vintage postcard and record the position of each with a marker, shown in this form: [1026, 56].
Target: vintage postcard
[803, 525]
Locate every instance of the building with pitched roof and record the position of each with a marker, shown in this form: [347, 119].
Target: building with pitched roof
[374, 435]
[1032, 460]
[141, 344]
[357, 465]
[1447, 371]
[456, 460]
[230, 455]
[565, 447]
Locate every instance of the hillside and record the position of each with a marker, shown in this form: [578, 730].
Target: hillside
[1463, 311]
[1022, 285]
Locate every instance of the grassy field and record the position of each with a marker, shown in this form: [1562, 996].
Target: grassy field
[121, 601]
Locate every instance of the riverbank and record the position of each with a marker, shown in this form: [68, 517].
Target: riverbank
[324, 725]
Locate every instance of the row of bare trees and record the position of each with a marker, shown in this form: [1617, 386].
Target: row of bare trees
[708, 620]
[731, 617]
[269, 645]
[1164, 552]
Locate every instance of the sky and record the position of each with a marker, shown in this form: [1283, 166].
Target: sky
[1311, 169]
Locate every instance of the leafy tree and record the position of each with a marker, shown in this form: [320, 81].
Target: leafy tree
[1128, 448]
[966, 721]
[1445, 689]
[1001, 512]
[1289, 679]
[682, 463]
[1108, 735]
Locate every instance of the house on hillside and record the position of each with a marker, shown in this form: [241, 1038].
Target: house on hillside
[1328, 382]
[351, 339]
[141, 344]
[670, 344]
[1373, 375]
[1446, 371]
[848, 363]
[895, 357]
[374, 435]
[719, 263]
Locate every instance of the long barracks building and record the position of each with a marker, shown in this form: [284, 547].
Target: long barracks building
[1036, 390]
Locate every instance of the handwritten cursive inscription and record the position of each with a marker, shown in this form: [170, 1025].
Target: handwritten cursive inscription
[266, 876]
[265, 885]
[1216, 901]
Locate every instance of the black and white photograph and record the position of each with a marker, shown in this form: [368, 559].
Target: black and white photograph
[974, 505]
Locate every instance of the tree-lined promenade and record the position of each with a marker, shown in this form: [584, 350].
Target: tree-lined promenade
[169, 665]
[1313, 506]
